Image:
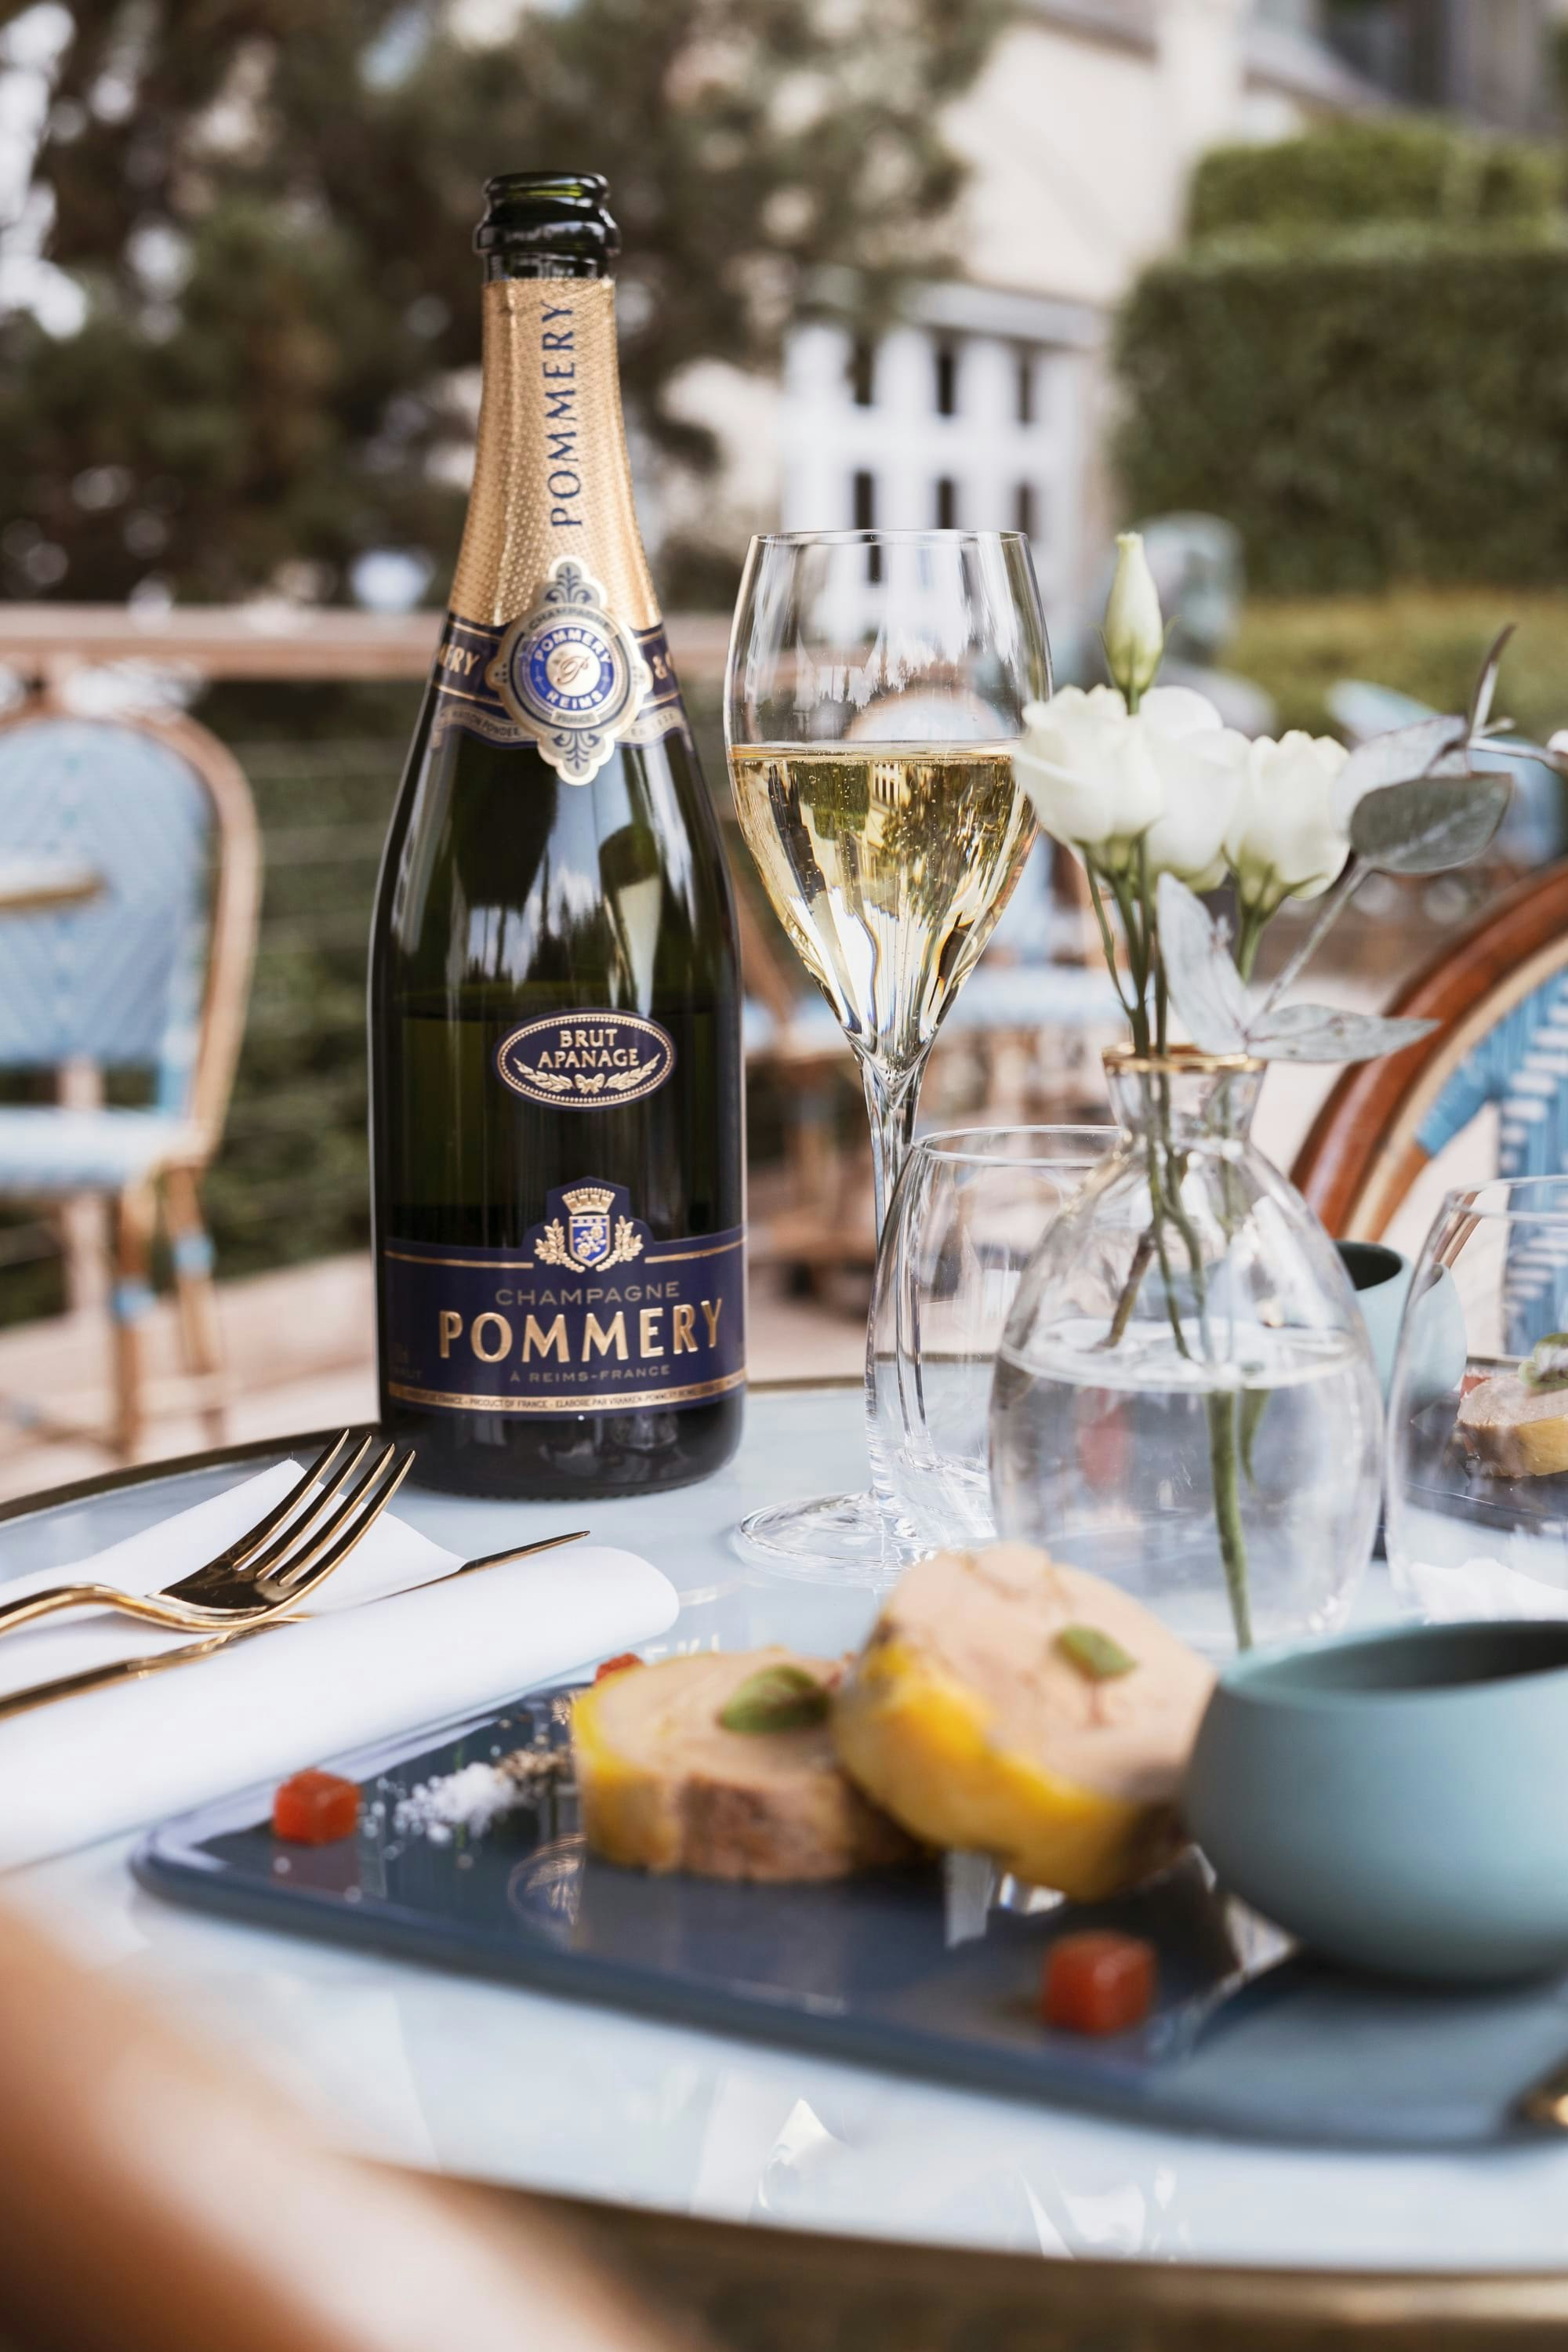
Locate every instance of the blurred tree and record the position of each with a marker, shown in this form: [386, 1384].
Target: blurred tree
[266, 205]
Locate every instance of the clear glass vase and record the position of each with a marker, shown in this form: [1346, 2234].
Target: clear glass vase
[1184, 1398]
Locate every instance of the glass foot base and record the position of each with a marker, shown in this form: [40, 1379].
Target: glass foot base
[831, 1539]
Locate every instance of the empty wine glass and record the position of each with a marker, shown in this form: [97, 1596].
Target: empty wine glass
[876, 686]
[970, 1207]
[1477, 1500]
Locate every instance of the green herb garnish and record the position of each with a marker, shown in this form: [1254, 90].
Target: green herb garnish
[777, 1698]
[1093, 1654]
[1546, 1366]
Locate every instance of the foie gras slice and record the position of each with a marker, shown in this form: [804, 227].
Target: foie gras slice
[664, 1786]
[1517, 1431]
[1027, 1710]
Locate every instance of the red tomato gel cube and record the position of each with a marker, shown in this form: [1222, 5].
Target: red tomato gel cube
[1096, 1981]
[616, 1665]
[315, 1809]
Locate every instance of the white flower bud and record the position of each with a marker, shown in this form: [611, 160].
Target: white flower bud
[1134, 628]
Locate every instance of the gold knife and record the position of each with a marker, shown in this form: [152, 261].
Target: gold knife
[1545, 2102]
[157, 1662]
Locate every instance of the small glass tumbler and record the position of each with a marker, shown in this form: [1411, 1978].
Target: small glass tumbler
[1477, 1472]
[968, 1211]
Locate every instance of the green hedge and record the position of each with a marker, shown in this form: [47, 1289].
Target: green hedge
[1392, 406]
[1425, 642]
[1355, 173]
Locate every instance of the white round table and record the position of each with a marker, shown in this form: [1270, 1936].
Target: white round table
[509, 2086]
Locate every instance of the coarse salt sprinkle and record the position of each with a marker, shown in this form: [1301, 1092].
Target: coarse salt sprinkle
[477, 1796]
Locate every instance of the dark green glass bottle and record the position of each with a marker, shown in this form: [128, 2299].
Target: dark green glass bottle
[556, 1082]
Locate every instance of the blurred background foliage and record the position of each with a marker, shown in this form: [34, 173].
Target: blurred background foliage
[1425, 642]
[1357, 361]
[1351, 173]
[267, 206]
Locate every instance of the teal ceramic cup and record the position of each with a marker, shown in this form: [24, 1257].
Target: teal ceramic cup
[1380, 1278]
[1395, 1799]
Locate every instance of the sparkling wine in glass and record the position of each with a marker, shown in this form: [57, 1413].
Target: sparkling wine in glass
[875, 689]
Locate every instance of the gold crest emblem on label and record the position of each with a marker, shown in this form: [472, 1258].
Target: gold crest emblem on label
[587, 1241]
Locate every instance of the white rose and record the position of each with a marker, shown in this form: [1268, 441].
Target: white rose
[1134, 625]
[1088, 769]
[1201, 762]
[1101, 780]
[1285, 840]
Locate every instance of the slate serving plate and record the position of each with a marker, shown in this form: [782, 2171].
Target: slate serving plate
[915, 1972]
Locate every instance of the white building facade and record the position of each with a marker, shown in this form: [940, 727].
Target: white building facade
[984, 406]
[972, 415]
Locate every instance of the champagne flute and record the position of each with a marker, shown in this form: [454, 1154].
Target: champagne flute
[875, 689]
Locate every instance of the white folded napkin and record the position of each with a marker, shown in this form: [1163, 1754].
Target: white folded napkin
[1481, 1588]
[111, 1760]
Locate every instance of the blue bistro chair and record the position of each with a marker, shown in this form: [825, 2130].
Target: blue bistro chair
[149, 977]
[1498, 993]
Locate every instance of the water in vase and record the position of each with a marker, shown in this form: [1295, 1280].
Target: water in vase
[1108, 1457]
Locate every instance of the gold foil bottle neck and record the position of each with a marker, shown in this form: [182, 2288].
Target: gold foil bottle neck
[552, 476]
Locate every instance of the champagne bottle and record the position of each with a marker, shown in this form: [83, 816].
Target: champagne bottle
[556, 1080]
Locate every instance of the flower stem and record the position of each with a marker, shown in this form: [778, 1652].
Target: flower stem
[1330, 906]
[1254, 923]
[1220, 1404]
[1109, 944]
[1158, 1127]
[1127, 1294]
[1134, 926]
[1172, 1309]
[1224, 1473]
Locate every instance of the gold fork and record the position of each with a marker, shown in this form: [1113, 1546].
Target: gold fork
[271, 1568]
[158, 1662]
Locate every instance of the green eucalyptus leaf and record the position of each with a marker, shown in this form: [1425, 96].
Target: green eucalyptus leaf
[1458, 761]
[1097, 1656]
[776, 1698]
[1396, 757]
[1486, 684]
[1324, 1032]
[1429, 825]
[1205, 987]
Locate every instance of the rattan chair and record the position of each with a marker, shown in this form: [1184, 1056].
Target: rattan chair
[1499, 993]
[148, 981]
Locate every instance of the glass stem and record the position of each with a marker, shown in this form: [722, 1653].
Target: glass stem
[892, 1097]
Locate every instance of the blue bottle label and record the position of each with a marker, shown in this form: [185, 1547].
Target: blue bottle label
[512, 688]
[586, 1060]
[570, 674]
[592, 1314]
